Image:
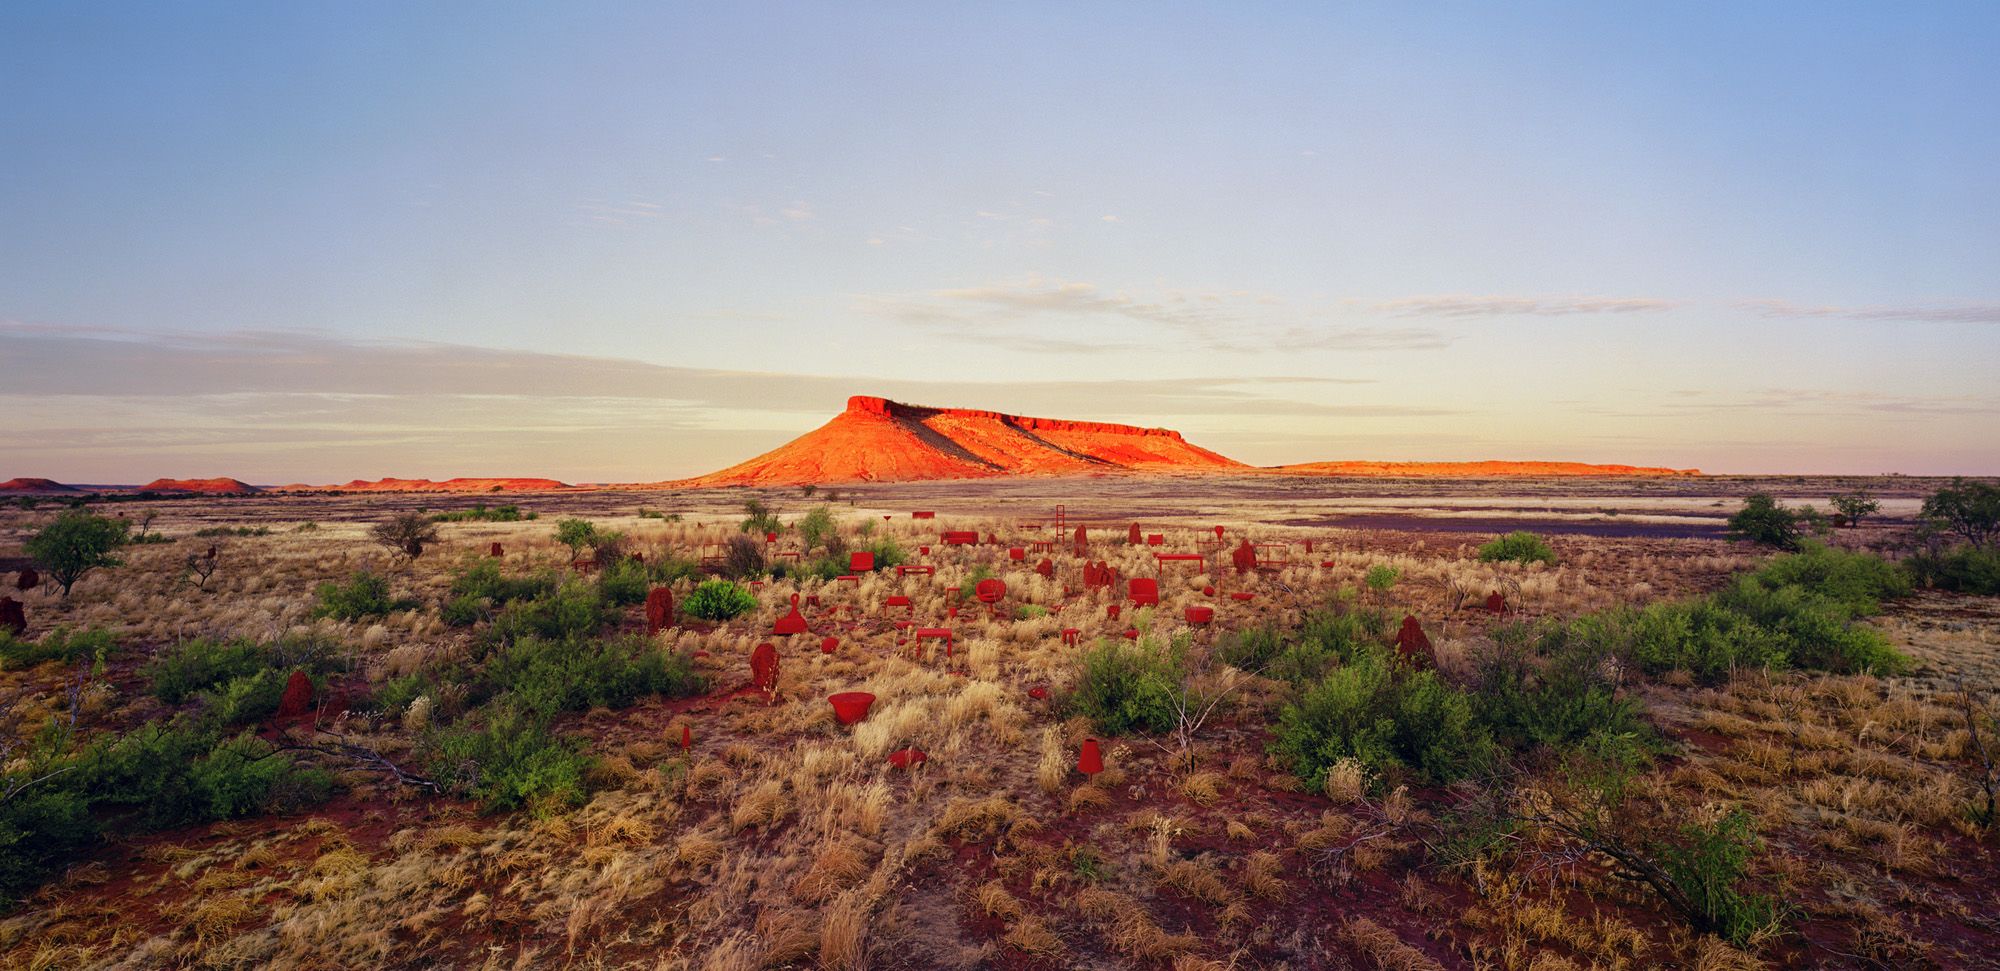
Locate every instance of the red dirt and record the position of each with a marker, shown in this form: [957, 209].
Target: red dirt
[878, 440]
[35, 486]
[515, 484]
[219, 486]
[1468, 470]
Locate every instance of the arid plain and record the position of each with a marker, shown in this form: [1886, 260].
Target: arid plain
[777, 836]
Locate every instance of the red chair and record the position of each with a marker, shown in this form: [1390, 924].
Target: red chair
[860, 561]
[1144, 591]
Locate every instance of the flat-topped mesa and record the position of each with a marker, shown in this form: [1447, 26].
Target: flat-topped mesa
[871, 405]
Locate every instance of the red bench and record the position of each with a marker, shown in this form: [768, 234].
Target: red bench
[903, 571]
[923, 514]
[960, 537]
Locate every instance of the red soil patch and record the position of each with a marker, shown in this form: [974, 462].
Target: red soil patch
[219, 486]
[35, 486]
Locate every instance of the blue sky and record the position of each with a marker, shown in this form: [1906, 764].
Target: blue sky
[637, 241]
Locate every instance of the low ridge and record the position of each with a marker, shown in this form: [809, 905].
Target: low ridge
[216, 486]
[878, 440]
[462, 484]
[32, 486]
[1470, 470]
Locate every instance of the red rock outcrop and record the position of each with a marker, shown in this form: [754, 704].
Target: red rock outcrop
[35, 486]
[878, 440]
[219, 486]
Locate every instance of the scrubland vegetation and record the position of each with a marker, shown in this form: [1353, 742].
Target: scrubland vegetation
[1652, 753]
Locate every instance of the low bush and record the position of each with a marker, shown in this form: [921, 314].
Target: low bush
[1131, 686]
[510, 761]
[1519, 546]
[244, 775]
[624, 583]
[1763, 519]
[509, 513]
[1550, 687]
[1710, 864]
[364, 595]
[60, 645]
[1963, 569]
[550, 677]
[178, 672]
[1392, 720]
[569, 611]
[718, 600]
[213, 531]
[482, 579]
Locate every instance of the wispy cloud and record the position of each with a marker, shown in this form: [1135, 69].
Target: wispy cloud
[1963, 313]
[619, 213]
[1505, 306]
[1234, 321]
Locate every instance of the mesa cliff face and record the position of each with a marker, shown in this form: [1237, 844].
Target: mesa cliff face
[878, 440]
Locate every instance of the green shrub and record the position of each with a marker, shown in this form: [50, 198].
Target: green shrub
[364, 595]
[57, 645]
[1763, 519]
[41, 829]
[245, 775]
[1549, 687]
[1964, 569]
[1131, 686]
[1858, 582]
[1381, 577]
[510, 761]
[816, 527]
[482, 579]
[1969, 510]
[1709, 863]
[624, 583]
[463, 611]
[549, 677]
[509, 513]
[718, 600]
[179, 671]
[213, 531]
[569, 611]
[250, 698]
[888, 554]
[1519, 546]
[759, 519]
[1390, 720]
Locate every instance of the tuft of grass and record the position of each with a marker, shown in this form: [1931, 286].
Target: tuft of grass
[1519, 546]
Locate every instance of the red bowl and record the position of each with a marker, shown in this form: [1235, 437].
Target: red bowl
[904, 758]
[851, 706]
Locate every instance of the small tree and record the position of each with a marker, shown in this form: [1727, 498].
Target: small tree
[1763, 519]
[407, 533]
[816, 526]
[576, 534]
[1380, 578]
[76, 543]
[761, 518]
[200, 567]
[1854, 505]
[1969, 509]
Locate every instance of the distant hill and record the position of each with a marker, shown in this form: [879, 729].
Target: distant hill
[878, 440]
[35, 487]
[1469, 470]
[426, 485]
[221, 486]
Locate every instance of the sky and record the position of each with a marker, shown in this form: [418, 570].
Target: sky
[630, 242]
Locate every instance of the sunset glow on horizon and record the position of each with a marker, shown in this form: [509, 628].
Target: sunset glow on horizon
[635, 242]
